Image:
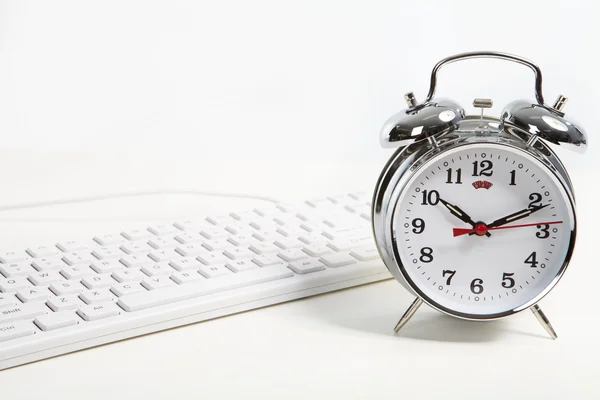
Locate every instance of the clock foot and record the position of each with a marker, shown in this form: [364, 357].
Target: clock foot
[539, 314]
[408, 314]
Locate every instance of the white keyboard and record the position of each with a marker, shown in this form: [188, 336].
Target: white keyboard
[72, 295]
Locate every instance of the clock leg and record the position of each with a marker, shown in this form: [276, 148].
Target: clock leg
[539, 314]
[408, 314]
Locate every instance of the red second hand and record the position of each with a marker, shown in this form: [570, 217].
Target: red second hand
[463, 231]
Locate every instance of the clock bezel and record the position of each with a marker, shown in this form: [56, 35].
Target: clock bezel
[410, 160]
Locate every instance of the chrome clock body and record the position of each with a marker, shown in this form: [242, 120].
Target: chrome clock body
[408, 160]
[438, 132]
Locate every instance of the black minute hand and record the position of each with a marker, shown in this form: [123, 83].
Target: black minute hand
[515, 216]
[460, 214]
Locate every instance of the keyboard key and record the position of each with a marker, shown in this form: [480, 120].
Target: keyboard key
[185, 277]
[189, 237]
[95, 296]
[343, 233]
[240, 228]
[264, 224]
[141, 301]
[312, 239]
[316, 250]
[365, 254]
[135, 261]
[125, 288]
[359, 209]
[287, 231]
[157, 282]
[22, 311]
[312, 229]
[265, 260]
[287, 220]
[109, 239]
[337, 260]
[214, 233]
[98, 281]
[341, 222]
[164, 255]
[9, 285]
[136, 234]
[238, 253]
[288, 243]
[244, 215]
[16, 330]
[33, 294]
[7, 300]
[127, 275]
[319, 202]
[76, 272]
[45, 278]
[106, 266]
[7, 257]
[360, 196]
[64, 288]
[191, 226]
[162, 229]
[190, 249]
[163, 242]
[286, 207]
[158, 269]
[56, 320]
[210, 258]
[135, 247]
[240, 240]
[351, 243]
[267, 211]
[185, 263]
[107, 253]
[341, 244]
[240, 265]
[216, 244]
[266, 235]
[214, 271]
[292, 255]
[42, 251]
[220, 220]
[12, 270]
[306, 266]
[79, 257]
[345, 200]
[264, 248]
[63, 303]
[70, 246]
[46, 263]
[95, 312]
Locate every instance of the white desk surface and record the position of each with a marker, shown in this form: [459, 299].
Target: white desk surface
[338, 345]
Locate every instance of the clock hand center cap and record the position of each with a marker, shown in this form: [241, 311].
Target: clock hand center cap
[481, 229]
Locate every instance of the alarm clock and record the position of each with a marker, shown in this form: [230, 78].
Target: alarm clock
[475, 214]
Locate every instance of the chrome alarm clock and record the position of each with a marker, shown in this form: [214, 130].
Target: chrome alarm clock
[474, 214]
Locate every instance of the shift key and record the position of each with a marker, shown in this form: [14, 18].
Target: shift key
[22, 311]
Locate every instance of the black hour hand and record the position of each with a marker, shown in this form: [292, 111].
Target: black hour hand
[460, 214]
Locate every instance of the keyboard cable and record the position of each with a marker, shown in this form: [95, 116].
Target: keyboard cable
[115, 195]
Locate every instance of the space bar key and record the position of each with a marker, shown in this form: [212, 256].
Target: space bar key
[172, 294]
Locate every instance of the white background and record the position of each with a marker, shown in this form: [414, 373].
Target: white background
[272, 79]
[283, 99]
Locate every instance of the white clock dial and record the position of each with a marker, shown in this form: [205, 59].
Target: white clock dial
[483, 230]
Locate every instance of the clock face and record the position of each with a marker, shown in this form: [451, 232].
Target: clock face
[483, 230]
